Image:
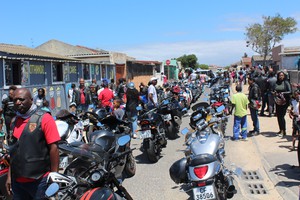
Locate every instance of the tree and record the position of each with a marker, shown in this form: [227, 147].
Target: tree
[188, 61]
[203, 66]
[263, 37]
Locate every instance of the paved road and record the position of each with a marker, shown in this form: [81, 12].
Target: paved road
[152, 181]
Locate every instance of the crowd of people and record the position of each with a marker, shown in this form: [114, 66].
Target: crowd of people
[269, 94]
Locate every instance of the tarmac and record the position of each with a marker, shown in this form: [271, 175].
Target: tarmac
[266, 160]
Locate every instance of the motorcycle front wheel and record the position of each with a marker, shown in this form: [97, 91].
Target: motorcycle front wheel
[130, 166]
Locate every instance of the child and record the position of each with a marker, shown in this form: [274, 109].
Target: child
[294, 114]
[118, 112]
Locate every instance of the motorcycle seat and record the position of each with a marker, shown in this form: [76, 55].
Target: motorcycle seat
[202, 159]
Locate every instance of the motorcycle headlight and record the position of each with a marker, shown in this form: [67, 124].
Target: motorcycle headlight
[96, 176]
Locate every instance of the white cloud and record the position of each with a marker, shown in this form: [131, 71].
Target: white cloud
[220, 53]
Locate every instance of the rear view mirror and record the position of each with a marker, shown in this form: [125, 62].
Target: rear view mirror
[220, 108]
[123, 140]
[52, 190]
[185, 131]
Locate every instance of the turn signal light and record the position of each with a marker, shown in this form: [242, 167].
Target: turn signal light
[201, 171]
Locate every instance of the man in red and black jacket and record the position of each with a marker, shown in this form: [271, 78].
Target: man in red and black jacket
[34, 153]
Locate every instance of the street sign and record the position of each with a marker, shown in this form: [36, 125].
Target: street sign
[168, 62]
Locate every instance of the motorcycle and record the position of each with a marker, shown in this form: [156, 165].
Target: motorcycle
[202, 169]
[101, 182]
[4, 166]
[152, 133]
[171, 112]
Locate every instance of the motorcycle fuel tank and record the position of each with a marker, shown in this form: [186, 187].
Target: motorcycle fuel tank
[209, 143]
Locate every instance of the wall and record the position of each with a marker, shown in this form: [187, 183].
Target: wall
[290, 62]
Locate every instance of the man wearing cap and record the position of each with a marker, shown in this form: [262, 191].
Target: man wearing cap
[152, 94]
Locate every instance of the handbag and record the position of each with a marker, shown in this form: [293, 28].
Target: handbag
[255, 104]
[279, 99]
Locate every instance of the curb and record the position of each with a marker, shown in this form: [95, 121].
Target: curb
[283, 192]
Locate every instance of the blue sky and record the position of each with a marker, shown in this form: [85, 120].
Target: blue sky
[147, 30]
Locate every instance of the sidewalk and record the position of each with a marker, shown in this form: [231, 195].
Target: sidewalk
[267, 155]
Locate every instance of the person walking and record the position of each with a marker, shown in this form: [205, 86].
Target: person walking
[132, 101]
[261, 81]
[270, 87]
[282, 99]
[29, 167]
[84, 102]
[254, 104]
[295, 116]
[71, 92]
[9, 111]
[152, 94]
[239, 104]
[106, 97]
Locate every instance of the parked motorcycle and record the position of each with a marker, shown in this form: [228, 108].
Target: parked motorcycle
[101, 182]
[152, 133]
[202, 169]
[4, 166]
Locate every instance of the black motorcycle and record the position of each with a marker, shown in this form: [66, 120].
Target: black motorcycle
[152, 133]
[100, 182]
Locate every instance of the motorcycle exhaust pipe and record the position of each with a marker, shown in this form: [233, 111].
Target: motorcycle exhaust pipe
[230, 187]
[177, 120]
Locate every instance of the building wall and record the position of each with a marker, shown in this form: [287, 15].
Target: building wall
[290, 62]
[1, 72]
[140, 79]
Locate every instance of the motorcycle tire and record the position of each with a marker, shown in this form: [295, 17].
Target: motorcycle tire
[130, 166]
[153, 152]
[171, 131]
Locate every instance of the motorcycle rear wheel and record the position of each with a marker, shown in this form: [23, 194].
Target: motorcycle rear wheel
[153, 152]
[171, 131]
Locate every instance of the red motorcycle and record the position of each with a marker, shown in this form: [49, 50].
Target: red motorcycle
[4, 166]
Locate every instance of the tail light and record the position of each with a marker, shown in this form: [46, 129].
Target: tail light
[145, 122]
[200, 172]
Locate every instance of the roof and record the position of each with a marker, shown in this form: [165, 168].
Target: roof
[26, 51]
[261, 58]
[246, 59]
[55, 46]
[291, 51]
[146, 62]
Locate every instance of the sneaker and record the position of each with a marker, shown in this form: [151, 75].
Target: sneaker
[255, 133]
[251, 132]
[134, 136]
[262, 114]
[244, 139]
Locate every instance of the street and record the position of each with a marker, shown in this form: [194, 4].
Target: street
[263, 177]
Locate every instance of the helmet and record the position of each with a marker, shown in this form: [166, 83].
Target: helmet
[98, 193]
[176, 89]
[103, 138]
[178, 171]
[130, 85]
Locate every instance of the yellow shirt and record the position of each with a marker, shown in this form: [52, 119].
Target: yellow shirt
[240, 100]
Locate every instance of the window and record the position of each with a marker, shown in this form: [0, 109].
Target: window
[86, 72]
[66, 72]
[13, 72]
[57, 72]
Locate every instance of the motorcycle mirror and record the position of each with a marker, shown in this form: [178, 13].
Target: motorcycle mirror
[99, 124]
[52, 190]
[220, 108]
[123, 140]
[138, 108]
[185, 131]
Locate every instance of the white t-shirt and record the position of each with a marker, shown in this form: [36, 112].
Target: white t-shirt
[71, 95]
[152, 90]
[295, 105]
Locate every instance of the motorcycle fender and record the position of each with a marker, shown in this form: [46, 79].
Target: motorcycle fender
[146, 144]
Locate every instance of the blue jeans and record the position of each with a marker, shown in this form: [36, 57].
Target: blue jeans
[134, 124]
[240, 122]
[29, 191]
[254, 117]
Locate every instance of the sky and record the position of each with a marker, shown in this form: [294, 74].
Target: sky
[147, 30]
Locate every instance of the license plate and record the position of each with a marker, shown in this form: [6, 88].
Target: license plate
[206, 192]
[145, 134]
[167, 117]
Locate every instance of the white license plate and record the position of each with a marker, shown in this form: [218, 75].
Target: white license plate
[206, 192]
[145, 134]
[167, 117]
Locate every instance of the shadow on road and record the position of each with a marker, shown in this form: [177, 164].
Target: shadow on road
[286, 170]
[269, 134]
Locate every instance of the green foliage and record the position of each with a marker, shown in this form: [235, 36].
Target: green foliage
[188, 61]
[263, 37]
[203, 66]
